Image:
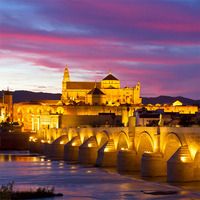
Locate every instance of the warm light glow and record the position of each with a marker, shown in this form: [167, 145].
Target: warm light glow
[106, 149]
[183, 159]
[156, 146]
[147, 152]
[193, 151]
[177, 103]
[73, 167]
[73, 144]
[49, 142]
[31, 138]
[42, 141]
[89, 145]
[62, 142]
[124, 149]
[34, 139]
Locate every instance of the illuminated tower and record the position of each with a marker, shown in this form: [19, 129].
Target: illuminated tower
[8, 102]
[66, 79]
[137, 90]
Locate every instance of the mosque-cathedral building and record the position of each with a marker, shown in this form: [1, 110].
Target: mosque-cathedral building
[106, 92]
[101, 103]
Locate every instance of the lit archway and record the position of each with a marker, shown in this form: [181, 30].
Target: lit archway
[102, 137]
[72, 133]
[145, 144]
[171, 145]
[61, 140]
[123, 142]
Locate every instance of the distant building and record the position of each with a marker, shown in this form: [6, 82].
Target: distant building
[82, 103]
[6, 106]
[103, 103]
[174, 107]
[106, 92]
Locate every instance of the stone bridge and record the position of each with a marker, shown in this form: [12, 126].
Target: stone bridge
[155, 151]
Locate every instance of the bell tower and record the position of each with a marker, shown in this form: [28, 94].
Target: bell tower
[8, 101]
[66, 74]
[66, 79]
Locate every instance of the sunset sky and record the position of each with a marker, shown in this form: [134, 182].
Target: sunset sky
[156, 42]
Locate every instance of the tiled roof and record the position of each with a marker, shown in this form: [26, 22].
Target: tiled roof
[82, 85]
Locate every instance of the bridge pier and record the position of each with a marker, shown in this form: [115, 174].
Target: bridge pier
[46, 149]
[39, 147]
[88, 152]
[57, 147]
[57, 151]
[153, 165]
[35, 147]
[107, 155]
[87, 155]
[180, 167]
[71, 150]
[127, 161]
[197, 167]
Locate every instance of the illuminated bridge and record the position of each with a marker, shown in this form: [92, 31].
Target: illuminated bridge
[155, 151]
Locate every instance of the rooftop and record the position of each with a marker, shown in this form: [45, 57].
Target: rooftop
[96, 91]
[110, 77]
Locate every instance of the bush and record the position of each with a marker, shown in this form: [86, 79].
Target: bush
[7, 193]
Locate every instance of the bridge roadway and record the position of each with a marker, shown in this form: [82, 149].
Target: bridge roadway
[155, 151]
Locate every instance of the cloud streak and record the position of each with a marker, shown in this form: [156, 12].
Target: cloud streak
[157, 43]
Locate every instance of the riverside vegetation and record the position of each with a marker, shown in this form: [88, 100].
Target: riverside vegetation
[7, 192]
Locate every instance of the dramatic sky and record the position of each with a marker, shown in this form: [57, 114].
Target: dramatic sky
[156, 42]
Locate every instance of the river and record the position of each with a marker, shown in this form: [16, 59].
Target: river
[85, 183]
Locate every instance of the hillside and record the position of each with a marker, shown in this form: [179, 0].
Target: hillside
[21, 96]
[169, 100]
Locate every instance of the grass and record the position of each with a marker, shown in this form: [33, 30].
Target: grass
[7, 193]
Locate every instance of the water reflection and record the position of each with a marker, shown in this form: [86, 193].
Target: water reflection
[18, 158]
[78, 182]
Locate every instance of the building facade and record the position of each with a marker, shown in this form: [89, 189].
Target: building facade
[6, 107]
[103, 103]
[106, 92]
[81, 103]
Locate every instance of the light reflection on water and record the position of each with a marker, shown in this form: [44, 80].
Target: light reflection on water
[78, 182]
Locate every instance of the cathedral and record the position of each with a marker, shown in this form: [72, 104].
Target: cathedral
[81, 103]
[106, 92]
[103, 103]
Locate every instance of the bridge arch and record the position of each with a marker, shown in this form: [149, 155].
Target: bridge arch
[61, 140]
[90, 142]
[123, 141]
[72, 132]
[75, 141]
[85, 133]
[19, 110]
[60, 110]
[102, 137]
[145, 144]
[30, 110]
[50, 110]
[171, 144]
[40, 110]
